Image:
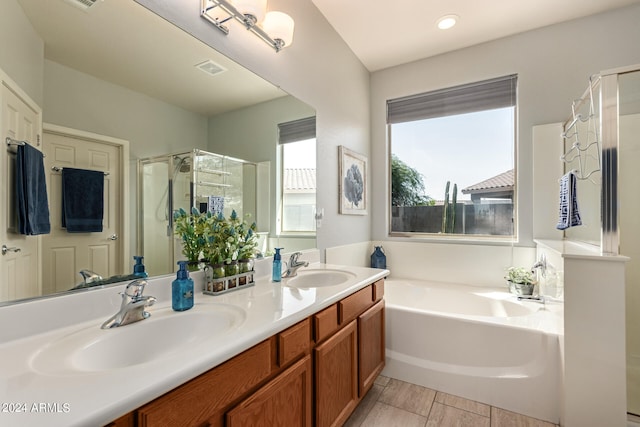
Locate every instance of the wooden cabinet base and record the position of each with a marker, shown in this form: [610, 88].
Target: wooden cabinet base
[284, 402]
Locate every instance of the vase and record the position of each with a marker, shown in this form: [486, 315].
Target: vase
[521, 288]
[378, 258]
[232, 271]
[214, 277]
[245, 267]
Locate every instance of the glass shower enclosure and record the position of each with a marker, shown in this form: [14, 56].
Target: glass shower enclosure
[200, 179]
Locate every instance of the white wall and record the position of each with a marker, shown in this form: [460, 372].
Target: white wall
[319, 69]
[21, 50]
[553, 66]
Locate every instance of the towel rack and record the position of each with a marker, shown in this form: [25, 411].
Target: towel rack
[10, 141]
[583, 140]
[59, 169]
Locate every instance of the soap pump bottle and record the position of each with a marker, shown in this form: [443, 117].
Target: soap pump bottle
[138, 267]
[182, 289]
[276, 273]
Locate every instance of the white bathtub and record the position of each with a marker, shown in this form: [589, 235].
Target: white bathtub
[475, 342]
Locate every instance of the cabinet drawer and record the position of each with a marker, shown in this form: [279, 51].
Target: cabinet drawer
[378, 290]
[350, 307]
[325, 323]
[189, 405]
[294, 342]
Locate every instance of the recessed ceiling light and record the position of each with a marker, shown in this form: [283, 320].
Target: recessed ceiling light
[447, 21]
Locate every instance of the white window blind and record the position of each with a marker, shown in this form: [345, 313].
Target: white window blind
[485, 95]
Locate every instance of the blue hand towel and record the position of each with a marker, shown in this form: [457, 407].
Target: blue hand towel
[569, 213]
[31, 192]
[82, 200]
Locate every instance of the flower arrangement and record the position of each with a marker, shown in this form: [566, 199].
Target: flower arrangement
[520, 275]
[218, 239]
[191, 228]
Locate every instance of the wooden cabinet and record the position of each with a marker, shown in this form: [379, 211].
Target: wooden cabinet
[285, 380]
[284, 401]
[336, 376]
[371, 350]
[204, 400]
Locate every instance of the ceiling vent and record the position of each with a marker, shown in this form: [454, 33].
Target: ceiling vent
[82, 4]
[211, 67]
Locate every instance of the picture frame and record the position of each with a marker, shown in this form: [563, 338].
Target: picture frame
[352, 179]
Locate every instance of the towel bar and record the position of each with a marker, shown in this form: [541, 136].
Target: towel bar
[10, 141]
[59, 169]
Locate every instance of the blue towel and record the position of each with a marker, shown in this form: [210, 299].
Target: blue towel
[82, 200]
[569, 213]
[31, 192]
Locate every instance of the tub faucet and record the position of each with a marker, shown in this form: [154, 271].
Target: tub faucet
[541, 265]
[132, 308]
[293, 265]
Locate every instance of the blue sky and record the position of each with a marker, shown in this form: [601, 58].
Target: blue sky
[464, 149]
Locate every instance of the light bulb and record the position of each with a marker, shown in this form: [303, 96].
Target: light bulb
[447, 22]
[279, 26]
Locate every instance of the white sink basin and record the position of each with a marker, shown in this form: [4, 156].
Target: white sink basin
[161, 335]
[319, 278]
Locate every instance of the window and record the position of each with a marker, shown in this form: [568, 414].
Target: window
[452, 160]
[297, 141]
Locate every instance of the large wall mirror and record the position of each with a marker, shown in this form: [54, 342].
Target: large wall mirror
[115, 69]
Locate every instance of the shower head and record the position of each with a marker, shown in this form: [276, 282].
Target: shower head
[184, 165]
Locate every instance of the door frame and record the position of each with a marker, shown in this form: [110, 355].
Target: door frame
[124, 231]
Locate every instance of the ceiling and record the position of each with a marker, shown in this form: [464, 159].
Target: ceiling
[123, 43]
[385, 34]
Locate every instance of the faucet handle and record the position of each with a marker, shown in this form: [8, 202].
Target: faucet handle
[293, 259]
[135, 289]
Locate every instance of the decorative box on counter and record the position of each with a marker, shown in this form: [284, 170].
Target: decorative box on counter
[217, 283]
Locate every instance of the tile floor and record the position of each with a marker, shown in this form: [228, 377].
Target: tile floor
[391, 402]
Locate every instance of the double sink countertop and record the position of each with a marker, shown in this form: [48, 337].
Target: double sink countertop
[60, 369]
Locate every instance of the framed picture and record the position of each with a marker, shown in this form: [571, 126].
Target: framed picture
[353, 182]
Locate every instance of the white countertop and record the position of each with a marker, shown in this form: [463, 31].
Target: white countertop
[31, 396]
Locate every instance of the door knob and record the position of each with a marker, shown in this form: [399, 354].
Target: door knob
[5, 249]
[113, 237]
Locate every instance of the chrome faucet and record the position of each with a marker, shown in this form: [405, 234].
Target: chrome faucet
[541, 265]
[293, 265]
[90, 277]
[133, 306]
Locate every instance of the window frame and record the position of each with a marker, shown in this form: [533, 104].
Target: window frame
[446, 237]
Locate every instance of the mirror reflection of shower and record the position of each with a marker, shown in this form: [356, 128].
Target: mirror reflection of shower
[182, 181]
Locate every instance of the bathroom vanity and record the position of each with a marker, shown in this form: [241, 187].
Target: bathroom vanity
[272, 383]
[301, 352]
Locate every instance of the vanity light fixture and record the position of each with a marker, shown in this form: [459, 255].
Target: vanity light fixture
[447, 21]
[275, 28]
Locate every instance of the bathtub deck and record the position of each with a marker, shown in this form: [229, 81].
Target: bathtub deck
[392, 402]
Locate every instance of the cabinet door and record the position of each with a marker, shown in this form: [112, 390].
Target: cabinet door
[371, 350]
[284, 401]
[336, 362]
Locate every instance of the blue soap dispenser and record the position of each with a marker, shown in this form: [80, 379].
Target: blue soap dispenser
[276, 273]
[138, 267]
[182, 289]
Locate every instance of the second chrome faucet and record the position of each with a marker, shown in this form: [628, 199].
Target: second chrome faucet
[293, 265]
[132, 308]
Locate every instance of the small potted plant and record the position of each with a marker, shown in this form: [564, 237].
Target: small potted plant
[521, 280]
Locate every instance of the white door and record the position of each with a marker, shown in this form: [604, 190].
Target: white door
[21, 120]
[64, 254]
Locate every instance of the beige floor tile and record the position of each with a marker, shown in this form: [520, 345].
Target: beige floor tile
[382, 415]
[503, 418]
[448, 416]
[364, 407]
[410, 397]
[382, 380]
[464, 404]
